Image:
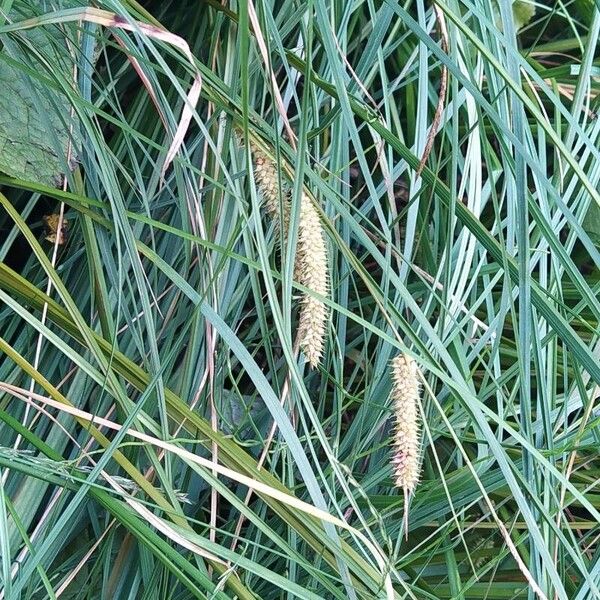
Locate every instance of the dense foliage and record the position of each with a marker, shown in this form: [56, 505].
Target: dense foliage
[162, 433]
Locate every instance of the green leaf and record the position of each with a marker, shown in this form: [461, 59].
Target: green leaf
[591, 223]
[523, 12]
[39, 133]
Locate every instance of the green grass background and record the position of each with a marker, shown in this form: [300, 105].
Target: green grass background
[171, 309]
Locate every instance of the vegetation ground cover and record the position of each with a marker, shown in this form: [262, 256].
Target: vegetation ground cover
[180, 182]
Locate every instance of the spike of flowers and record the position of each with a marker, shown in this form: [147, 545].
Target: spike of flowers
[405, 396]
[312, 272]
[311, 268]
[266, 176]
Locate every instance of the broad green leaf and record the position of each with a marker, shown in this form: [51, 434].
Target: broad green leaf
[39, 135]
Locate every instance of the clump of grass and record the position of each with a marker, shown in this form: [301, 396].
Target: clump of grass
[444, 191]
